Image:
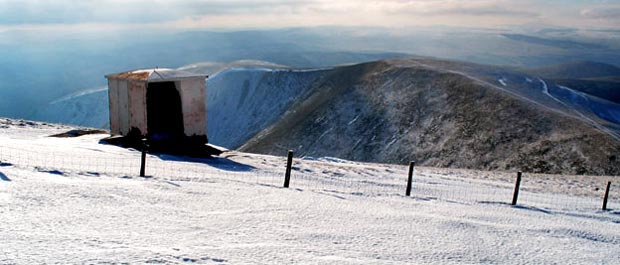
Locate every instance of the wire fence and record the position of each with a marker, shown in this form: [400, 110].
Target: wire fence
[386, 180]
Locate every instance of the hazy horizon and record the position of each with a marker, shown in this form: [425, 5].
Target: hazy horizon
[49, 49]
[252, 14]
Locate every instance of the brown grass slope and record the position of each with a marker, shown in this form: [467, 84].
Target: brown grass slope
[393, 113]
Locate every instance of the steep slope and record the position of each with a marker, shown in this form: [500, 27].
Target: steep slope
[243, 101]
[396, 111]
[601, 113]
[86, 108]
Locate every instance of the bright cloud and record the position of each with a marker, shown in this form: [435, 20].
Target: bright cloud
[283, 13]
[602, 13]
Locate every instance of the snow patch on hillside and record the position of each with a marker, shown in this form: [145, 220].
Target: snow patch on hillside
[502, 81]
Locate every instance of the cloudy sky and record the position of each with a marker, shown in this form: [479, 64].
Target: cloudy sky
[192, 14]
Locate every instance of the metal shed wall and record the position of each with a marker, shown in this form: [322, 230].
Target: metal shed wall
[123, 107]
[128, 100]
[136, 97]
[114, 105]
[193, 95]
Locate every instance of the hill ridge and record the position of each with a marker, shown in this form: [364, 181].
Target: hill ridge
[458, 123]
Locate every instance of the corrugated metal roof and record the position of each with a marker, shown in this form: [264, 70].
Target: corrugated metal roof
[155, 75]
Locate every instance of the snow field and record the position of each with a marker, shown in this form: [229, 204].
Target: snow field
[84, 155]
[380, 180]
[73, 200]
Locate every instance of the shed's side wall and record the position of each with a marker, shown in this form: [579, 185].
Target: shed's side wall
[113, 101]
[123, 107]
[136, 91]
[193, 97]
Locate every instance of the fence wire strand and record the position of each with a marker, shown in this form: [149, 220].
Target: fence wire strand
[427, 185]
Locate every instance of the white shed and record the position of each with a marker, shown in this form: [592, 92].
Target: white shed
[159, 104]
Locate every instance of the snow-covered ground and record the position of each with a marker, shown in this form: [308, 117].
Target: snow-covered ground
[74, 200]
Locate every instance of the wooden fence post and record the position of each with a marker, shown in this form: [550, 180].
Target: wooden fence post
[606, 196]
[515, 196]
[289, 164]
[409, 178]
[143, 161]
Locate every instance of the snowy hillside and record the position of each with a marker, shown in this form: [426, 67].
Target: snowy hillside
[441, 113]
[449, 114]
[74, 200]
[241, 102]
[87, 108]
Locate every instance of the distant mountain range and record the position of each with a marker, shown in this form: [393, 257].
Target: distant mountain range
[37, 67]
[576, 70]
[564, 44]
[437, 112]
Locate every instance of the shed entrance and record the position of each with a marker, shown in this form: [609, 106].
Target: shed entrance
[164, 111]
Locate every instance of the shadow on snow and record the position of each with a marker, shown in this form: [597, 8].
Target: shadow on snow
[216, 162]
[4, 177]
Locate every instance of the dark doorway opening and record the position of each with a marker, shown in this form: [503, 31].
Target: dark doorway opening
[164, 111]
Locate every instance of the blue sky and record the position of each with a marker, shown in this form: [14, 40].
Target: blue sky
[192, 14]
